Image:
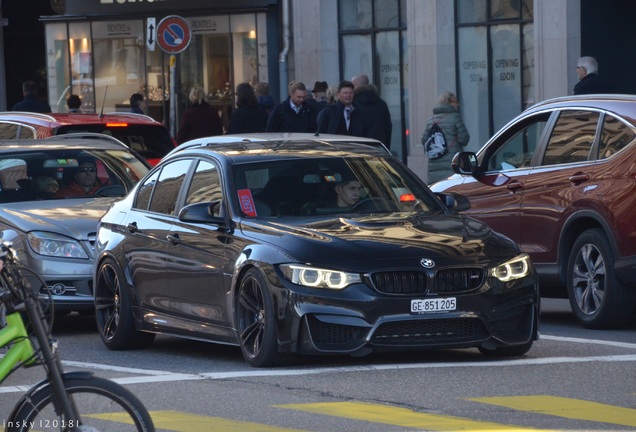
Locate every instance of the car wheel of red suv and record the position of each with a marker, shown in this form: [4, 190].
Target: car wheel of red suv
[597, 297]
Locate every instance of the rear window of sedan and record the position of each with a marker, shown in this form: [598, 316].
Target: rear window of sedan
[150, 141]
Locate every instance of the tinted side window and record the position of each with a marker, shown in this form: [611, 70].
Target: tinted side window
[145, 192]
[517, 151]
[616, 135]
[572, 138]
[164, 198]
[205, 186]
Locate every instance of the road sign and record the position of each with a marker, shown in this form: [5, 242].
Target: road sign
[173, 34]
[151, 33]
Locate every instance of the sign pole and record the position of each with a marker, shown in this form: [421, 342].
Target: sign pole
[173, 36]
[173, 98]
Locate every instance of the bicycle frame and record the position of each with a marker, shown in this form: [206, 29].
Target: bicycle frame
[21, 350]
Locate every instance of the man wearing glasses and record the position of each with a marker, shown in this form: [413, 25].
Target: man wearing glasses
[85, 181]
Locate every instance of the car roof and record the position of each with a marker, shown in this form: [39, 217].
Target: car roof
[70, 141]
[622, 104]
[308, 146]
[62, 119]
[277, 139]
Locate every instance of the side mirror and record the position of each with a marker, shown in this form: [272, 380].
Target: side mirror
[454, 201]
[465, 163]
[202, 213]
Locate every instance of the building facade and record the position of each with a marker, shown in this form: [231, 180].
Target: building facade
[499, 56]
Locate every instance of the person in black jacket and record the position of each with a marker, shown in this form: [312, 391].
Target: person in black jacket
[31, 103]
[249, 115]
[344, 117]
[294, 114]
[375, 111]
[589, 81]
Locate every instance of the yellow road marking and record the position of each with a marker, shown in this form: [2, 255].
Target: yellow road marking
[396, 416]
[567, 408]
[184, 422]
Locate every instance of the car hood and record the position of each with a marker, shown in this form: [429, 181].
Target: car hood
[387, 240]
[76, 218]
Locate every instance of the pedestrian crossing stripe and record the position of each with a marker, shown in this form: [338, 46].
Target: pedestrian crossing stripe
[396, 416]
[566, 408]
[402, 417]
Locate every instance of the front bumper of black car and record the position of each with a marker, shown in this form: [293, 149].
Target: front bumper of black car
[359, 320]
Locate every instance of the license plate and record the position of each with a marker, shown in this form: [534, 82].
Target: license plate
[433, 305]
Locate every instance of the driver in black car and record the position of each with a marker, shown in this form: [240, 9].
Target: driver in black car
[85, 181]
[347, 193]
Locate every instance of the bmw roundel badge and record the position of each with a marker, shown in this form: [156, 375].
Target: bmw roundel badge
[427, 263]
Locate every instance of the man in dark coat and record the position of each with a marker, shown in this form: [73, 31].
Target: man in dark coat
[31, 103]
[344, 117]
[375, 111]
[589, 81]
[294, 114]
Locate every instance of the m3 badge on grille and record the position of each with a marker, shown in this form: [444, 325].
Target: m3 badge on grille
[427, 263]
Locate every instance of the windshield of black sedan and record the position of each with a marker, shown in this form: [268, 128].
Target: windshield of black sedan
[32, 175]
[329, 186]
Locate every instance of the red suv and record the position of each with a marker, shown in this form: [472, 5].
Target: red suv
[141, 133]
[560, 180]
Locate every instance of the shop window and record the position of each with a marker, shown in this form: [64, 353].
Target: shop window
[372, 41]
[495, 63]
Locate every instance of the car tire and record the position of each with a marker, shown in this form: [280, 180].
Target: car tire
[599, 300]
[507, 351]
[113, 310]
[256, 321]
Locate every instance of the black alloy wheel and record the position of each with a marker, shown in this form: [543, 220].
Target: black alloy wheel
[256, 321]
[113, 310]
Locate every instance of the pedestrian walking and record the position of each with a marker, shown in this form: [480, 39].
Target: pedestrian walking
[249, 116]
[294, 114]
[589, 81]
[446, 115]
[344, 117]
[138, 103]
[375, 111]
[200, 119]
[264, 99]
[30, 101]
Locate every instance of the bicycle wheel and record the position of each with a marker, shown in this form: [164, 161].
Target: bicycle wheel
[103, 404]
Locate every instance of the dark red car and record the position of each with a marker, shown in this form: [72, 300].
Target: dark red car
[560, 180]
[148, 137]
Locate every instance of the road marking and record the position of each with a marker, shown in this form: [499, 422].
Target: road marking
[159, 376]
[184, 422]
[590, 341]
[396, 416]
[567, 408]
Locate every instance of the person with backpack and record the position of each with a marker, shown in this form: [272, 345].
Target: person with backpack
[445, 134]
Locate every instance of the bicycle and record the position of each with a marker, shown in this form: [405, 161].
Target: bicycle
[71, 401]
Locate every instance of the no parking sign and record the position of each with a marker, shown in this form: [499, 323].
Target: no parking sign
[173, 34]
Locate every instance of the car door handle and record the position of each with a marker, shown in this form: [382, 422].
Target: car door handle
[173, 238]
[132, 227]
[514, 186]
[579, 178]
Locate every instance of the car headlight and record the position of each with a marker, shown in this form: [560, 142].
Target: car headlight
[55, 245]
[516, 268]
[317, 277]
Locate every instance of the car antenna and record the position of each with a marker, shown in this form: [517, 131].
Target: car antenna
[101, 113]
